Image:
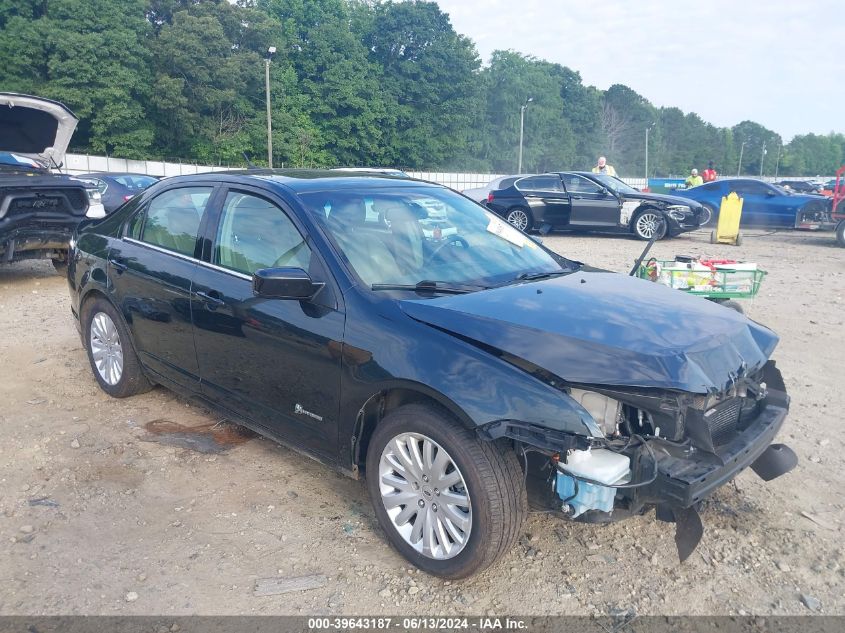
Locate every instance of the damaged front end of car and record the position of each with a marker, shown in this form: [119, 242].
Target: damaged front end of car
[654, 449]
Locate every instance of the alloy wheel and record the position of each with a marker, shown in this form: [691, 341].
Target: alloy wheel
[106, 349]
[648, 224]
[425, 496]
[518, 218]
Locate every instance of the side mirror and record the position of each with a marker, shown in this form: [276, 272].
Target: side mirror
[771, 194]
[603, 191]
[284, 283]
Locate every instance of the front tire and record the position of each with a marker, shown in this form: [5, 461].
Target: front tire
[521, 218]
[647, 223]
[113, 359]
[451, 503]
[840, 233]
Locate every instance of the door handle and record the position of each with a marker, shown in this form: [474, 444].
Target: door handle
[212, 299]
[119, 265]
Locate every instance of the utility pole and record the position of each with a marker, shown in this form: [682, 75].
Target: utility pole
[522, 131]
[270, 52]
[739, 166]
[762, 158]
[646, 152]
[777, 161]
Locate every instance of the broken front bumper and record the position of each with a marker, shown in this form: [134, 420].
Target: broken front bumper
[686, 475]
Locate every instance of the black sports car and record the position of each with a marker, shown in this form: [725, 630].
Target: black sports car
[458, 373]
[592, 202]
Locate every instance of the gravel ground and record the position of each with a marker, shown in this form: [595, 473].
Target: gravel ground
[106, 507]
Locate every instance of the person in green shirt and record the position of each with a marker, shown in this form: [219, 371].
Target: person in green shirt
[693, 180]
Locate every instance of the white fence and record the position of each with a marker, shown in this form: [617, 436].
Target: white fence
[83, 164]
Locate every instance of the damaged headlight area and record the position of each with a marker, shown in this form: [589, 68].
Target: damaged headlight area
[678, 212]
[653, 449]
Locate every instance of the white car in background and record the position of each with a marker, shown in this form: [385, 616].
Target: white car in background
[479, 194]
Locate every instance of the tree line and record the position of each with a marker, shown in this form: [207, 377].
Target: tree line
[355, 83]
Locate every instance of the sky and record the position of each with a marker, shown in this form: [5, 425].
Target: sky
[780, 63]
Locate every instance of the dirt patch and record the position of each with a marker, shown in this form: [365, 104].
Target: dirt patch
[204, 438]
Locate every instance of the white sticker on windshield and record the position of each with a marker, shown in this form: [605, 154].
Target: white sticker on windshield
[506, 231]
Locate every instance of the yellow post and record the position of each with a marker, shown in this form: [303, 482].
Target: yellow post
[727, 229]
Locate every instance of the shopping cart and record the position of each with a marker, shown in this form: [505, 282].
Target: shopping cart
[721, 281]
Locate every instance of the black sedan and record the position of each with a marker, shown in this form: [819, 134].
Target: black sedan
[801, 186]
[592, 202]
[116, 189]
[455, 372]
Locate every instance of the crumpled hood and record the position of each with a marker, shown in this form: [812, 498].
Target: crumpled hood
[603, 328]
[661, 197]
[36, 128]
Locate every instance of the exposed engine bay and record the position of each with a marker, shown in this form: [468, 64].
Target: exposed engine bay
[658, 449]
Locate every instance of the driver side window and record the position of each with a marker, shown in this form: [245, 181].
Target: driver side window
[254, 233]
[579, 184]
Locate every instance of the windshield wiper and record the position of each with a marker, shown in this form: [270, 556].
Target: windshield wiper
[535, 276]
[428, 285]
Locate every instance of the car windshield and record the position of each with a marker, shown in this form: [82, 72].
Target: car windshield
[614, 184]
[404, 236]
[15, 160]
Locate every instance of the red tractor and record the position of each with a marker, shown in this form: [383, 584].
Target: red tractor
[838, 207]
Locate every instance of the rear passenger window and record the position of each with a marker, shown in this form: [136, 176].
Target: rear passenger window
[539, 183]
[173, 219]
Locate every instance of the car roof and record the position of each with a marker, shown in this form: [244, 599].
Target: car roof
[114, 174]
[579, 173]
[305, 180]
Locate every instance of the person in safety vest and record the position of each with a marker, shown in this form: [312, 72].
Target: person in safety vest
[603, 168]
[693, 180]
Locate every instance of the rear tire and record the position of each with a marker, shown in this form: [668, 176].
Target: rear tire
[112, 357]
[521, 218]
[490, 478]
[840, 233]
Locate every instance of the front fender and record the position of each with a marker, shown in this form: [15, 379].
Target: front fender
[480, 388]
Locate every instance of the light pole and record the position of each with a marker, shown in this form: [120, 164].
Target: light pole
[522, 131]
[739, 166]
[762, 158]
[270, 52]
[646, 151]
[777, 161]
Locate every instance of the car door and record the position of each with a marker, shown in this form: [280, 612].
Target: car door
[548, 202]
[592, 205]
[151, 269]
[275, 361]
[762, 204]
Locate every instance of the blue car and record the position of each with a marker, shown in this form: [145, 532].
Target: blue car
[764, 204]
